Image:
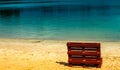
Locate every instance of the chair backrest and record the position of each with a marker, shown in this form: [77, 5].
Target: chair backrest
[84, 49]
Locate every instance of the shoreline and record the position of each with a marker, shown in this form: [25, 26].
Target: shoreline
[21, 54]
[32, 39]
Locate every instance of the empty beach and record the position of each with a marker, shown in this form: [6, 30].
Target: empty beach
[21, 54]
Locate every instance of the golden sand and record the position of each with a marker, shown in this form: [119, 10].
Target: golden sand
[50, 55]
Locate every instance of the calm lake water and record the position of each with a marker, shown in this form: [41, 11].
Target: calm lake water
[60, 22]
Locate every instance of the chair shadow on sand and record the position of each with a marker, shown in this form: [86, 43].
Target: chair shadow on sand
[62, 63]
[66, 64]
[75, 66]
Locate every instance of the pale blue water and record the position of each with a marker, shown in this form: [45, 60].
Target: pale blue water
[59, 22]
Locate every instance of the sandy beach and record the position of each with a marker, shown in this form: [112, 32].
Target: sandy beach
[20, 54]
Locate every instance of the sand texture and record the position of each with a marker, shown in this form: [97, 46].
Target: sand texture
[50, 55]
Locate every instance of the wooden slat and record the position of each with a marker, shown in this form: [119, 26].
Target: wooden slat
[83, 53]
[84, 61]
[75, 44]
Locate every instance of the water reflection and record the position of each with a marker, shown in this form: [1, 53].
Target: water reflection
[8, 17]
[9, 13]
[9, 0]
[73, 10]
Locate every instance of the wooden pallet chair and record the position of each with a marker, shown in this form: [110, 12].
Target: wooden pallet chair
[85, 54]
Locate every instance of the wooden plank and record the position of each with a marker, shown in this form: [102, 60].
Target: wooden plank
[84, 61]
[83, 53]
[76, 44]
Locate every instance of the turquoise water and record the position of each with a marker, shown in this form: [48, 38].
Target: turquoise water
[60, 22]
